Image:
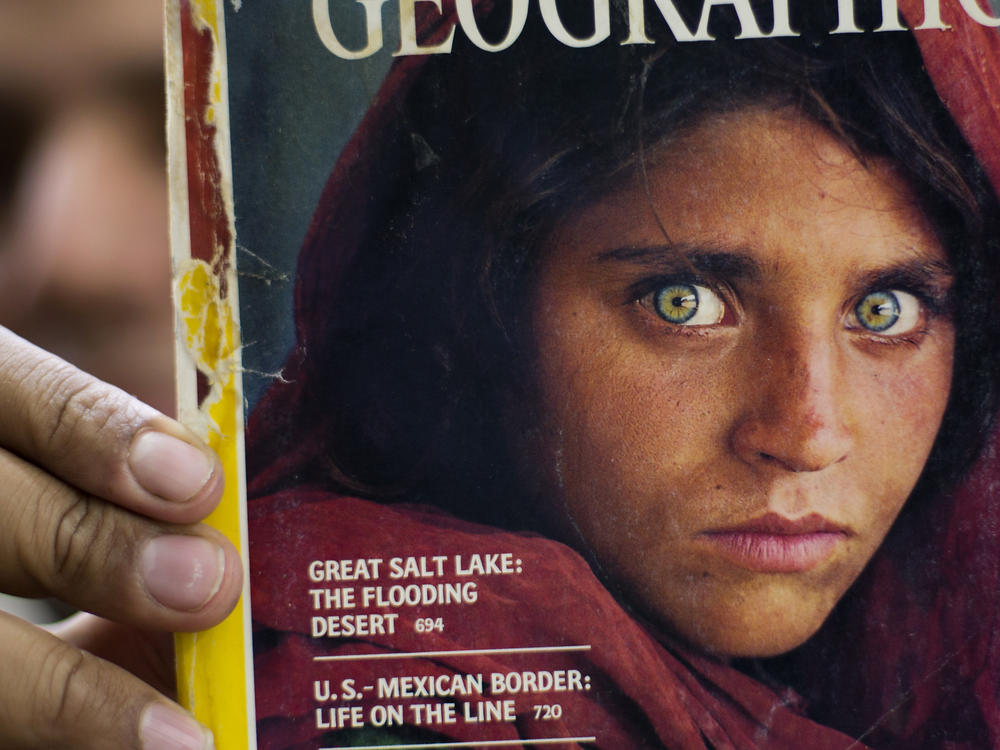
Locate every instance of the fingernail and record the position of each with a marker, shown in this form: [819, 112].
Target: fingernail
[164, 728]
[169, 467]
[182, 572]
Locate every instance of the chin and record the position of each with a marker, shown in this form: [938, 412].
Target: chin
[743, 645]
[749, 628]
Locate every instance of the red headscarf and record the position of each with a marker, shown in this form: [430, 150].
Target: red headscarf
[936, 653]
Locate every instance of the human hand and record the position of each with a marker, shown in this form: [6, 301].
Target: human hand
[99, 507]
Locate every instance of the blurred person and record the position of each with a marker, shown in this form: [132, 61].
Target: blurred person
[83, 243]
[83, 232]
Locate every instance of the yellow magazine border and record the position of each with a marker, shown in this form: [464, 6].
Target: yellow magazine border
[214, 668]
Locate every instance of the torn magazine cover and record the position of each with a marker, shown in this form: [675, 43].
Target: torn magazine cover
[609, 374]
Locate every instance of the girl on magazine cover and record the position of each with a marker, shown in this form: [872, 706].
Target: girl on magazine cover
[705, 336]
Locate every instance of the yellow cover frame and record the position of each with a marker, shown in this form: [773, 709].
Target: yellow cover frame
[208, 344]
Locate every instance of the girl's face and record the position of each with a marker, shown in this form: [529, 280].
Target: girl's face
[741, 371]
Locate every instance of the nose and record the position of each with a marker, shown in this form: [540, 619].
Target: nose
[795, 415]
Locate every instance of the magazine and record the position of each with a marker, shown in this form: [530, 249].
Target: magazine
[612, 374]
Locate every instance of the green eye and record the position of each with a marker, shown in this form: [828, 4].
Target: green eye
[888, 312]
[685, 304]
[878, 311]
[677, 303]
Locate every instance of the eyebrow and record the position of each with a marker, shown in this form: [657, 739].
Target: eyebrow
[915, 272]
[722, 262]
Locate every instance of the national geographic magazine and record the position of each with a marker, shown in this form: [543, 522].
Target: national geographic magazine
[594, 373]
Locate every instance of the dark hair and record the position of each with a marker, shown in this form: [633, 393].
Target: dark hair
[496, 147]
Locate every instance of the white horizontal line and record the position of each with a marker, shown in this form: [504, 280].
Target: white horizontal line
[468, 652]
[478, 743]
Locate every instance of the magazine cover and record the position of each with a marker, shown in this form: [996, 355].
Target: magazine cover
[609, 374]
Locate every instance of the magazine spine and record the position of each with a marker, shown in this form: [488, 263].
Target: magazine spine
[209, 387]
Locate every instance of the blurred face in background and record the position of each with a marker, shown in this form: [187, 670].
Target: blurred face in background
[84, 264]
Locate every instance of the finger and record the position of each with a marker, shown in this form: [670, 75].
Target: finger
[57, 540]
[100, 439]
[55, 695]
[147, 654]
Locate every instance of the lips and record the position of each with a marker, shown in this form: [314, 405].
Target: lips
[775, 544]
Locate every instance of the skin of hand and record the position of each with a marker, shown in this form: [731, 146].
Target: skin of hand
[100, 507]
